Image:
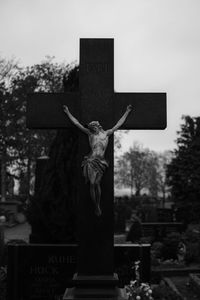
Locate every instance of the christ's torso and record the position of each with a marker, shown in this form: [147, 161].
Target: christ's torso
[98, 143]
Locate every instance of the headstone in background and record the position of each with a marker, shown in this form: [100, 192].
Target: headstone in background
[157, 231]
[10, 210]
[42, 272]
[164, 215]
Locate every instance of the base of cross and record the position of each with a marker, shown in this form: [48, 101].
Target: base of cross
[95, 288]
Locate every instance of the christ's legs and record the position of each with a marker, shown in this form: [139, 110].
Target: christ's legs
[92, 193]
[98, 193]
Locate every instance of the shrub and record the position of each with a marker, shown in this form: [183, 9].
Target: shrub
[156, 253]
[170, 246]
[192, 241]
[163, 292]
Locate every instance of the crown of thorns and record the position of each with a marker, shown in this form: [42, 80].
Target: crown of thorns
[93, 123]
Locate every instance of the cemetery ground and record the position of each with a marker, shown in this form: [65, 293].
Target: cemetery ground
[170, 278]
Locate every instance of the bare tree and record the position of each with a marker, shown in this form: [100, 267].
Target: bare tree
[8, 69]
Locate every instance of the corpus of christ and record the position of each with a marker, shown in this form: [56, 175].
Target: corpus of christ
[94, 165]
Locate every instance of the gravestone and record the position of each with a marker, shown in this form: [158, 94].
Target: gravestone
[157, 230]
[39, 271]
[96, 101]
[10, 209]
[164, 215]
[42, 272]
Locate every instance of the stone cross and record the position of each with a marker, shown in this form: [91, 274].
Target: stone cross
[96, 100]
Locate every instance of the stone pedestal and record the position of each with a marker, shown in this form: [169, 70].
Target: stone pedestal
[95, 287]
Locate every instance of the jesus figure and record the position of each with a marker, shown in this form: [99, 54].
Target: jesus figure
[94, 165]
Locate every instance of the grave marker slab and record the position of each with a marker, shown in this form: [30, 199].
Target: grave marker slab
[159, 230]
[42, 272]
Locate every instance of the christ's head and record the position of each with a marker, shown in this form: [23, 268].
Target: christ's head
[94, 127]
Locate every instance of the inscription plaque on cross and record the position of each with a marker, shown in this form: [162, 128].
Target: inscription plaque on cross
[96, 100]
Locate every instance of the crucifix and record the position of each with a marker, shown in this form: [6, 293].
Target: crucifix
[96, 100]
[94, 164]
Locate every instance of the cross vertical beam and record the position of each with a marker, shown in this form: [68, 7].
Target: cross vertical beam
[96, 86]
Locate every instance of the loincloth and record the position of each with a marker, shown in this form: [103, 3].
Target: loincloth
[93, 168]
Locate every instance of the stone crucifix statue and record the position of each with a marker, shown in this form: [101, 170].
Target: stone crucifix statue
[94, 164]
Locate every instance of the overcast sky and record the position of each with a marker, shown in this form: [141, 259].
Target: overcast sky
[157, 47]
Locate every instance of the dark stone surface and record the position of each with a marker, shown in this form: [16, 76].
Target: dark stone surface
[96, 84]
[95, 294]
[43, 272]
[39, 271]
[41, 165]
[95, 281]
[149, 110]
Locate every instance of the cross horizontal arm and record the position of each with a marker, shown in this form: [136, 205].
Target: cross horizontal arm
[45, 110]
[149, 110]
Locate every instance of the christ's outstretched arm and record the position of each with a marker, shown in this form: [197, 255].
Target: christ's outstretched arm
[121, 121]
[74, 120]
